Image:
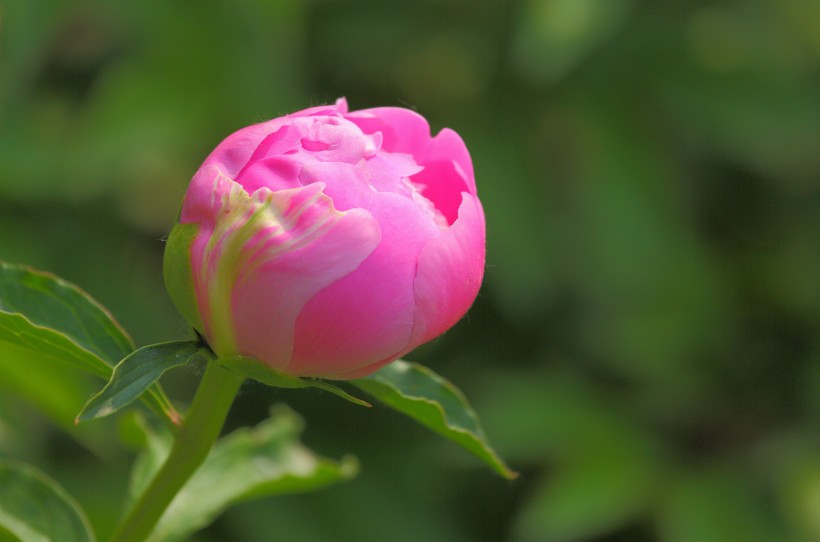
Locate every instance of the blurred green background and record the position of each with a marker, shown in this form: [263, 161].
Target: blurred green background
[646, 347]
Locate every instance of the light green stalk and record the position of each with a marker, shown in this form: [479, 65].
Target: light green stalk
[199, 431]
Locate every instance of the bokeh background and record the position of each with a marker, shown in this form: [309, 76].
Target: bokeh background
[646, 347]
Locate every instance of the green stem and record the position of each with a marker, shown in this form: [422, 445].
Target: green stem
[199, 431]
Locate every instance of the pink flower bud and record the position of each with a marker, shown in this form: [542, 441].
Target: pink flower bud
[329, 243]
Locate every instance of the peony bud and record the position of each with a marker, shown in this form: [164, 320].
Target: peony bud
[328, 243]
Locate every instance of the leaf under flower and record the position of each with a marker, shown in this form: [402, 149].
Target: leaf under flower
[433, 401]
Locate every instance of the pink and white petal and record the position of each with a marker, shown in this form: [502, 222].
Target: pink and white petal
[209, 203]
[354, 185]
[387, 172]
[203, 199]
[402, 130]
[337, 140]
[204, 204]
[450, 271]
[368, 315]
[346, 184]
[286, 269]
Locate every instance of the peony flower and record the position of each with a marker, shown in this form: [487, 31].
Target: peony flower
[329, 243]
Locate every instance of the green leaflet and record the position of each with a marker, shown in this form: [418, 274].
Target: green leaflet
[136, 374]
[34, 508]
[250, 463]
[45, 314]
[418, 392]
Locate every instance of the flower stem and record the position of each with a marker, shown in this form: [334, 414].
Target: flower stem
[199, 431]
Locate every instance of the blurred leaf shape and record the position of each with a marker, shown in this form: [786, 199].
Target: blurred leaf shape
[590, 495]
[34, 508]
[56, 391]
[50, 316]
[52, 398]
[555, 35]
[714, 505]
[431, 400]
[248, 464]
[136, 374]
[798, 487]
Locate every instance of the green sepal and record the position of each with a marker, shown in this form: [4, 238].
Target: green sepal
[255, 369]
[178, 274]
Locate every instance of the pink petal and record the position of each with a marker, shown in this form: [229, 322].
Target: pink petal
[367, 316]
[448, 168]
[445, 147]
[285, 139]
[389, 171]
[337, 140]
[441, 183]
[233, 153]
[346, 184]
[449, 275]
[203, 199]
[402, 130]
[286, 269]
[274, 173]
[339, 108]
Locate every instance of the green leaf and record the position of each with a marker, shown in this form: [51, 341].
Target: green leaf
[136, 374]
[41, 312]
[418, 392]
[47, 315]
[34, 508]
[248, 464]
[252, 368]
